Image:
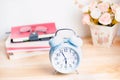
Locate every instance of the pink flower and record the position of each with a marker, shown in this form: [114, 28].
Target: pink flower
[86, 19]
[105, 19]
[113, 7]
[93, 5]
[103, 7]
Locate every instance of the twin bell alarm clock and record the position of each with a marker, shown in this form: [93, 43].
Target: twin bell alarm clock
[65, 52]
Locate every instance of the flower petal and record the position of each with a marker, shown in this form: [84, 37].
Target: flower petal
[95, 13]
[117, 14]
[105, 19]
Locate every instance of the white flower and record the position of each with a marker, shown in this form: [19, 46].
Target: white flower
[101, 12]
[85, 9]
[108, 1]
[114, 7]
[117, 14]
[95, 13]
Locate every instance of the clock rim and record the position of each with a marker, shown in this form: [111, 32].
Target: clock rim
[52, 51]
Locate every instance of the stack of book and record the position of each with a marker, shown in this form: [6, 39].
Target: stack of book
[24, 41]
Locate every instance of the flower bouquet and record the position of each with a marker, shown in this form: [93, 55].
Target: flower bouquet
[103, 18]
[102, 13]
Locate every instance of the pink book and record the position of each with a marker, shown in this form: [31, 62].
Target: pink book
[23, 33]
[12, 50]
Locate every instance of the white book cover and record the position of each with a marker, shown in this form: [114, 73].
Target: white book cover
[41, 44]
[26, 54]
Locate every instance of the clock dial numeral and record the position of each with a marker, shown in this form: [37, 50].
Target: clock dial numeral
[75, 57]
[61, 50]
[70, 65]
[65, 66]
[61, 65]
[56, 58]
[73, 62]
[58, 63]
[65, 49]
[72, 52]
[58, 54]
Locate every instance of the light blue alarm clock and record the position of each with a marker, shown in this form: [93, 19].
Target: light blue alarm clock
[65, 52]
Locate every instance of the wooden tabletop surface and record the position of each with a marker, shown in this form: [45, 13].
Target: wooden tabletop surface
[97, 63]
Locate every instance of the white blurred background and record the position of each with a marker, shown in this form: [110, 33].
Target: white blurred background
[23, 12]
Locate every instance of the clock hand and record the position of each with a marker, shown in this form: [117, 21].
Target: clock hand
[64, 58]
[65, 61]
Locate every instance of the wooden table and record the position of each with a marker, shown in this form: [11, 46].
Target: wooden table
[96, 64]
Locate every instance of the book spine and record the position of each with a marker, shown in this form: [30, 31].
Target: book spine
[9, 50]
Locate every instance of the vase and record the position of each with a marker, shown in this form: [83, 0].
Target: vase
[103, 36]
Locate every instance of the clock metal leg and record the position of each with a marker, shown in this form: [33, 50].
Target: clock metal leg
[77, 72]
[55, 72]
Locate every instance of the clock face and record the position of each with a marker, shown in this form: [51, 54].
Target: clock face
[65, 59]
